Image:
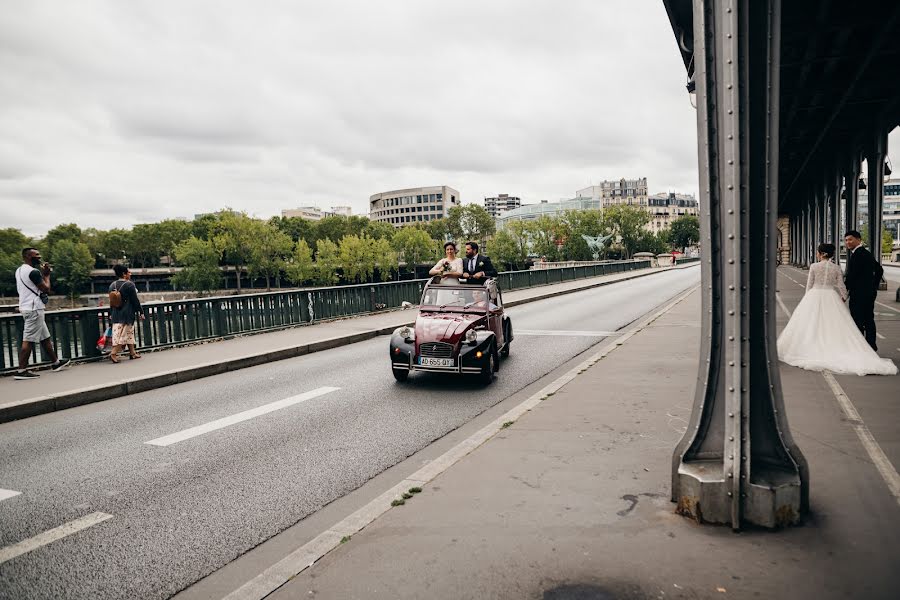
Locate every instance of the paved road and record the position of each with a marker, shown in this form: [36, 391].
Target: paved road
[180, 511]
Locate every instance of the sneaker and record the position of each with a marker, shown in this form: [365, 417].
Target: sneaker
[61, 364]
[23, 375]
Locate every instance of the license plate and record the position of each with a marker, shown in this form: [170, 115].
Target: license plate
[435, 362]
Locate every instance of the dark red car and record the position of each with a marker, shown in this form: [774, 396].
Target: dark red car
[460, 329]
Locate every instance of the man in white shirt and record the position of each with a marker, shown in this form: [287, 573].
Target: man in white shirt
[33, 285]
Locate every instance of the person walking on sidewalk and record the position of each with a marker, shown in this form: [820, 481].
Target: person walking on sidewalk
[862, 278]
[124, 313]
[33, 285]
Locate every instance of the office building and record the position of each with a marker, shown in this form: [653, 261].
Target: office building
[501, 203]
[413, 205]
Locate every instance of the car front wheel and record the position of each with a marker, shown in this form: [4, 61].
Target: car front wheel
[487, 372]
[400, 374]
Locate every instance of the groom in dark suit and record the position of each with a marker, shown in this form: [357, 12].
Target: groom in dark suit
[476, 267]
[862, 277]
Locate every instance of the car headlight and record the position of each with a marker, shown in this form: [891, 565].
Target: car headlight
[471, 336]
[406, 333]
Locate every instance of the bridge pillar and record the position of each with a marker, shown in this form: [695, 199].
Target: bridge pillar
[851, 208]
[737, 462]
[876, 193]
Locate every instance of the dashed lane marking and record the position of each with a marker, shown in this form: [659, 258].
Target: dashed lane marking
[49, 536]
[884, 466]
[246, 415]
[563, 333]
[5, 494]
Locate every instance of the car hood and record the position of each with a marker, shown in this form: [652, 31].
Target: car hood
[444, 327]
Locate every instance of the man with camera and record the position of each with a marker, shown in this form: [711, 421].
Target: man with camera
[33, 284]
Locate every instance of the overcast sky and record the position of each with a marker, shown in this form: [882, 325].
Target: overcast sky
[121, 112]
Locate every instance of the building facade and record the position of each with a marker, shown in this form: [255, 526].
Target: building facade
[890, 207]
[314, 213]
[623, 191]
[530, 212]
[666, 207]
[413, 205]
[501, 203]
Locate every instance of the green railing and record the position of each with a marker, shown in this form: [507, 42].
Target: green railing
[75, 332]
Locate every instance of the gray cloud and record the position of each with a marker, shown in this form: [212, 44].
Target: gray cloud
[166, 109]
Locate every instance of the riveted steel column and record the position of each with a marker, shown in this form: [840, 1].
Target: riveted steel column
[834, 212]
[876, 194]
[718, 475]
[851, 208]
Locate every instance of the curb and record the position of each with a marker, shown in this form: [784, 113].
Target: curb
[31, 407]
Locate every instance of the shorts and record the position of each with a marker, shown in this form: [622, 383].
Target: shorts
[35, 327]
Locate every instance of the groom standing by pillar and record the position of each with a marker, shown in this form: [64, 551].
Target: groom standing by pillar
[862, 277]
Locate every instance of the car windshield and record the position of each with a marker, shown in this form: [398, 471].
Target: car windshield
[437, 298]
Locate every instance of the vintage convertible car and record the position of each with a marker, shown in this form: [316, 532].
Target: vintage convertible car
[460, 329]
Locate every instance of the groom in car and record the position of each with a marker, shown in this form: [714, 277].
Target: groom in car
[476, 267]
[862, 278]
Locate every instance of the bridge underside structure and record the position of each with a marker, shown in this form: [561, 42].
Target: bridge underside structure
[790, 97]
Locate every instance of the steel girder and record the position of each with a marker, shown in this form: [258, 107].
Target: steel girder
[876, 193]
[851, 208]
[718, 475]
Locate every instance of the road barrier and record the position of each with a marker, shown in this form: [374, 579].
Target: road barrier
[75, 332]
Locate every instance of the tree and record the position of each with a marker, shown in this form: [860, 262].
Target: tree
[68, 231]
[269, 247]
[357, 258]
[684, 231]
[887, 240]
[203, 226]
[12, 242]
[200, 262]
[470, 222]
[508, 251]
[575, 224]
[627, 222]
[72, 266]
[384, 256]
[296, 227]
[169, 233]
[234, 239]
[332, 228]
[328, 261]
[111, 245]
[379, 229]
[543, 235]
[657, 243]
[300, 267]
[414, 245]
[438, 229]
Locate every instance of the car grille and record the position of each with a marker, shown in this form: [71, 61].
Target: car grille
[436, 350]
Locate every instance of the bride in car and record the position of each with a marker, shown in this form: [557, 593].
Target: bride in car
[449, 268]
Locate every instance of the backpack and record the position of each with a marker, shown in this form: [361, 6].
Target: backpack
[115, 298]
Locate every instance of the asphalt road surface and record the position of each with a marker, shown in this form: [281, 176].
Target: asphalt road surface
[237, 458]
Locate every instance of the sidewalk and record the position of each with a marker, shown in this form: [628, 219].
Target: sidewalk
[92, 382]
[571, 500]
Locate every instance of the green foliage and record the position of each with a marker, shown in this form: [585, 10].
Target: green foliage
[385, 257]
[300, 267]
[72, 266]
[234, 237]
[470, 222]
[415, 245]
[200, 262]
[439, 229]
[543, 234]
[12, 242]
[67, 232]
[508, 251]
[684, 231]
[268, 250]
[651, 242]
[328, 261]
[627, 223]
[297, 228]
[356, 258]
[203, 226]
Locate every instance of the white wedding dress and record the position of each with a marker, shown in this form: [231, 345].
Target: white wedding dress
[456, 266]
[821, 334]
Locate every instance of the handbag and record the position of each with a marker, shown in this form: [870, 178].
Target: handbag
[104, 344]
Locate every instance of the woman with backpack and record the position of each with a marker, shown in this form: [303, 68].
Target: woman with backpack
[124, 309]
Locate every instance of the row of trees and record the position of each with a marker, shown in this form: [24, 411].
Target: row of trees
[350, 249]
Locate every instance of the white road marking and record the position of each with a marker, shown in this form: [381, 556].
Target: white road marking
[886, 306]
[4, 494]
[306, 555]
[57, 533]
[884, 466]
[881, 336]
[563, 333]
[783, 305]
[246, 415]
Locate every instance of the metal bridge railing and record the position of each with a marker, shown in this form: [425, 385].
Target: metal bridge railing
[75, 332]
